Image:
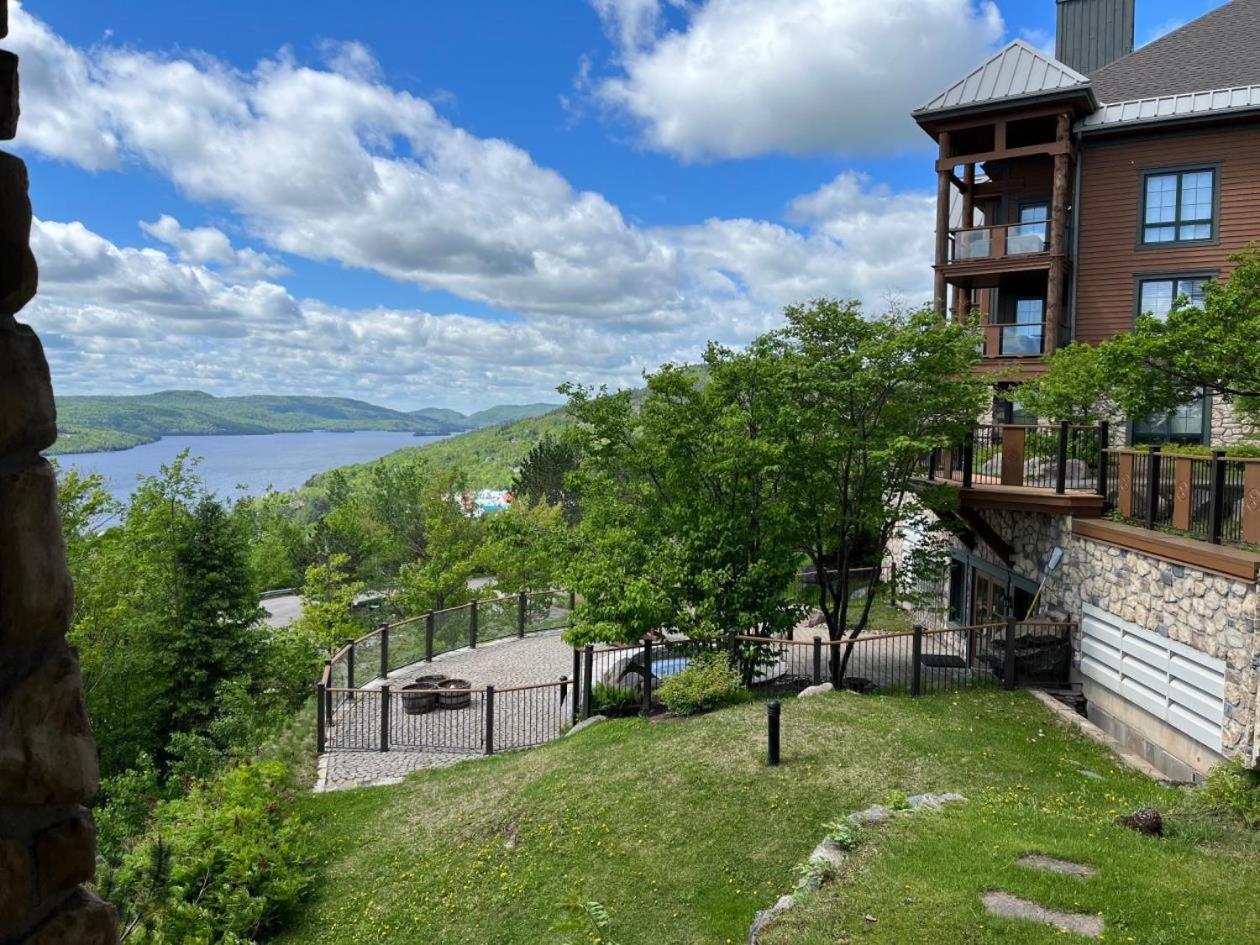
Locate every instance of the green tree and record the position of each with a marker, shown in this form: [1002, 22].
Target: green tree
[1165, 363]
[860, 401]
[543, 474]
[684, 520]
[526, 547]
[328, 594]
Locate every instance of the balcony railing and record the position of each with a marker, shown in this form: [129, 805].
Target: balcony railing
[1061, 457]
[1212, 498]
[998, 241]
[1025, 340]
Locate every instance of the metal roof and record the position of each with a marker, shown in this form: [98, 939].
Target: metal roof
[1016, 71]
[1213, 102]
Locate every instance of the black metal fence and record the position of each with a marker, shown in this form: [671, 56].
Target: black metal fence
[447, 721]
[919, 661]
[1210, 498]
[1061, 457]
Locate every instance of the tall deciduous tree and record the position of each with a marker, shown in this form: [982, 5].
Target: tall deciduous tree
[684, 520]
[1165, 362]
[861, 401]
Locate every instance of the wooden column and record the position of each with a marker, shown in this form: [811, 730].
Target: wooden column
[1251, 503]
[962, 297]
[939, 297]
[1059, 196]
[1182, 492]
[1124, 485]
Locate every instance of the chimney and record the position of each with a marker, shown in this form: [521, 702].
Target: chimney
[1089, 34]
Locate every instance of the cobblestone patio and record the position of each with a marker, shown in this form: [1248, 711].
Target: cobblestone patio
[536, 659]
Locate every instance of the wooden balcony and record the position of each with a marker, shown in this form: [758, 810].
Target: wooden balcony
[1042, 468]
[979, 256]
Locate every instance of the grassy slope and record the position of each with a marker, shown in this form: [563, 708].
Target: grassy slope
[682, 832]
[102, 423]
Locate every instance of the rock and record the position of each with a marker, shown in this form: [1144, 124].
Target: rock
[64, 854]
[34, 583]
[829, 854]
[764, 917]
[1005, 906]
[47, 755]
[1145, 820]
[28, 416]
[18, 273]
[872, 816]
[587, 723]
[15, 882]
[9, 108]
[1050, 864]
[933, 801]
[815, 690]
[81, 920]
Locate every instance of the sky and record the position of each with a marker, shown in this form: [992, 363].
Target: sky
[462, 204]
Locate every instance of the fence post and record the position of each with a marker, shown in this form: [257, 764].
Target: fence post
[969, 458]
[647, 677]
[588, 665]
[320, 735]
[1060, 482]
[472, 624]
[1183, 493]
[817, 660]
[932, 463]
[328, 699]
[430, 619]
[1104, 444]
[384, 718]
[577, 676]
[521, 603]
[1008, 663]
[350, 670]
[1152, 487]
[489, 720]
[1217, 497]
[1250, 524]
[916, 654]
[385, 651]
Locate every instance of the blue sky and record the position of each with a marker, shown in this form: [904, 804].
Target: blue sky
[462, 204]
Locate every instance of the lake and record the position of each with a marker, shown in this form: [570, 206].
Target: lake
[280, 460]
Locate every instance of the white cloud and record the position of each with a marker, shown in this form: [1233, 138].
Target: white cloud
[747, 77]
[331, 164]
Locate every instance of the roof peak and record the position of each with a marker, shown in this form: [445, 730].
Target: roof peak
[1017, 71]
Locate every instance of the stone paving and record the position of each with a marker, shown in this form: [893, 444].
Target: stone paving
[522, 719]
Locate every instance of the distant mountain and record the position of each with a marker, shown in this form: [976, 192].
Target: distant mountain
[506, 413]
[91, 424]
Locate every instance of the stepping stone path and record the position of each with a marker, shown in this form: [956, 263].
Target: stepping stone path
[1049, 864]
[1005, 906]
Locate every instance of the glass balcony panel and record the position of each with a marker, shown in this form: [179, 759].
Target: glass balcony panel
[1020, 341]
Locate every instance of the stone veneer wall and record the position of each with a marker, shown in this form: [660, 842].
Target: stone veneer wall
[1227, 427]
[48, 766]
[1215, 615]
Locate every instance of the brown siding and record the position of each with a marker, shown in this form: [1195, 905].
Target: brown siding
[1108, 256]
[1026, 178]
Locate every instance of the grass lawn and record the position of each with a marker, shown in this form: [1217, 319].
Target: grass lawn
[679, 829]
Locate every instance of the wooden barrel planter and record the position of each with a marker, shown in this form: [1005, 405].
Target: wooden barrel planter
[431, 679]
[419, 698]
[459, 699]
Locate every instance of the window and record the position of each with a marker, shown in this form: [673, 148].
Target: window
[1183, 425]
[1179, 206]
[957, 592]
[1156, 296]
[1031, 235]
[1024, 337]
[1012, 411]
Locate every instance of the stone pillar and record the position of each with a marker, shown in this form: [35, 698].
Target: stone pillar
[48, 766]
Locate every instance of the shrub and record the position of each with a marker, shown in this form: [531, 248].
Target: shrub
[1234, 790]
[844, 834]
[610, 700]
[224, 863]
[709, 682]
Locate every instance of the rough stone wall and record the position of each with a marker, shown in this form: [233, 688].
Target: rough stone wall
[1228, 428]
[48, 766]
[1215, 615]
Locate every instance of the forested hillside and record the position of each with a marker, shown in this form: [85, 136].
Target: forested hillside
[88, 424]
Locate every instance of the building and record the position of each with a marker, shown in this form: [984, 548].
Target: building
[1075, 190]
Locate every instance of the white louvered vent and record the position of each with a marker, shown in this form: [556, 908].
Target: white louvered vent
[1171, 681]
